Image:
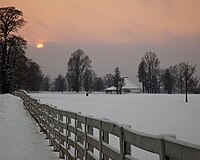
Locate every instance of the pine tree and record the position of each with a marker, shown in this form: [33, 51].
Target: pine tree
[118, 81]
[168, 81]
[59, 83]
[142, 75]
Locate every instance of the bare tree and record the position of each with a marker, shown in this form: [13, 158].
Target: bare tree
[187, 75]
[179, 69]
[152, 67]
[78, 64]
[11, 20]
[88, 80]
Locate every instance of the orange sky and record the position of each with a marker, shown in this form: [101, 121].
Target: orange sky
[107, 20]
[112, 32]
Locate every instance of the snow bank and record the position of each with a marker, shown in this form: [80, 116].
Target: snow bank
[19, 135]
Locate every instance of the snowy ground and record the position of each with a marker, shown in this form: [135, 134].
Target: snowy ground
[156, 114]
[19, 135]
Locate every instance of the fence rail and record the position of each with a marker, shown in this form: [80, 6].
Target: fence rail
[76, 136]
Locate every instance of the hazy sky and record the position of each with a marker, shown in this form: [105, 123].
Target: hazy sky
[112, 32]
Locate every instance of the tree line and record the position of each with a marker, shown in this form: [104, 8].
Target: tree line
[179, 78]
[16, 70]
[19, 72]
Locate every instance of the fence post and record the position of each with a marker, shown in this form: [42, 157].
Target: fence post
[54, 128]
[90, 131]
[79, 126]
[75, 136]
[66, 134]
[162, 152]
[127, 146]
[86, 144]
[105, 138]
[49, 125]
[100, 140]
[61, 131]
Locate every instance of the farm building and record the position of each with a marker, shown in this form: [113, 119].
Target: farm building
[129, 87]
[111, 89]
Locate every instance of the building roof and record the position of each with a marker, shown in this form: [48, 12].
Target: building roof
[112, 88]
[129, 84]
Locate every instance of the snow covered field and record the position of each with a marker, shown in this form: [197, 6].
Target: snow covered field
[19, 135]
[155, 114]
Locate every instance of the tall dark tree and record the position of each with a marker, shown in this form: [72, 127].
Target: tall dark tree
[193, 85]
[46, 83]
[34, 76]
[88, 80]
[98, 84]
[118, 80]
[179, 76]
[16, 62]
[19, 74]
[59, 83]
[108, 80]
[11, 20]
[168, 81]
[78, 64]
[142, 74]
[152, 64]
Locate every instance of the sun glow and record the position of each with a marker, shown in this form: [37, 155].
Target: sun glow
[40, 45]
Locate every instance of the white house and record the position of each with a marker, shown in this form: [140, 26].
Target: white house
[111, 89]
[129, 86]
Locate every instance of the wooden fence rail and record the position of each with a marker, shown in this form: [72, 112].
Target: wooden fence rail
[76, 136]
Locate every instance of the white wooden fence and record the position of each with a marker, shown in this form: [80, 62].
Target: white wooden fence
[76, 136]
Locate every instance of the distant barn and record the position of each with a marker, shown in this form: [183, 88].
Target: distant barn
[129, 87]
[111, 89]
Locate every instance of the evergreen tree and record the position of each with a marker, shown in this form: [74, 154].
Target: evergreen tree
[99, 84]
[142, 75]
[168, 81]
[108, 80]
[46, 83]
[34, 76]
[59, 83]
[118, 80]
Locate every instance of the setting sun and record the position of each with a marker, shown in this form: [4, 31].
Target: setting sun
[40, 45]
